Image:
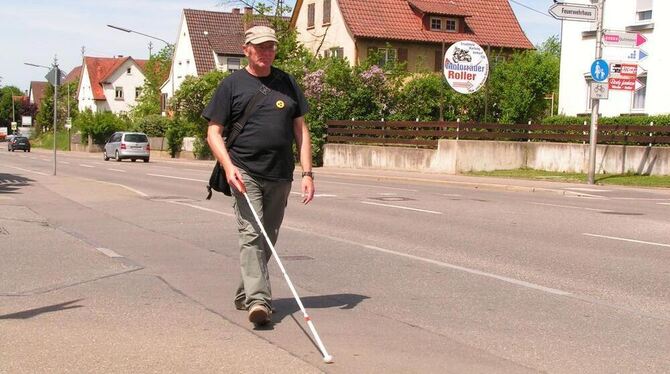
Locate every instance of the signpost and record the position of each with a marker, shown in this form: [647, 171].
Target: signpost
[612, 38]
[466, 67]
[574, 12]
[600, 70]
[599, 90]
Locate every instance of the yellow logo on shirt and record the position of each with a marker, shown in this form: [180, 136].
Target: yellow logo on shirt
[280, 104]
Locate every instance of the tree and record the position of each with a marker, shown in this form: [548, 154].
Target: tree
[156, 72]
[7, 103]
[67, 95]
[520, 83]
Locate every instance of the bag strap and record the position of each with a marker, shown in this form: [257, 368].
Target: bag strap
[237, 126]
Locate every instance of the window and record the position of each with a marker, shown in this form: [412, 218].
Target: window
[138, 92]
[451, 24]
[444, 24]
[310, 16]
[129, 70]
[164, 100]
[335, 52]
[387, 55]
[234, 63]
[118, 93]
[644, 10]
[436, 24]
[640, 96]
[326, 12]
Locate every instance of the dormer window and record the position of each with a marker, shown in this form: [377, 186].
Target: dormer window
[444, 24]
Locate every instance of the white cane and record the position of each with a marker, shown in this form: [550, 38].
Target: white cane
[326, 357]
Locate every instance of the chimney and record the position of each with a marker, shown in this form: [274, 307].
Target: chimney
[248, 17]
[236, 10]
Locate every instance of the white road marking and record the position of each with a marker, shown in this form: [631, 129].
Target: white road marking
[109, 253]
[86, 166]
[64, 162]
[663, 203]
[180, 178]
[126, 187]
[517, 282]
[45, 159]
[401, 207]
[450, 194]
[315, 195]
[573, 207]
[119, 170]
[581, 189]
[472, 271]
[627, 240]
[28, 170]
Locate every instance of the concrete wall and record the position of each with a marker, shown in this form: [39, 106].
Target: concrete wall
[455, 156]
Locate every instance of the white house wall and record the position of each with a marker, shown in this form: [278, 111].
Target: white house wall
[129, 82]
[578, 53]
[336, 34]
[183, 62]
[85, 94]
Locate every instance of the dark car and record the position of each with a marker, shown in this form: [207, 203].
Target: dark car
[20, 143]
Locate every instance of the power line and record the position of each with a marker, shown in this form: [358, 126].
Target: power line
[533, 9]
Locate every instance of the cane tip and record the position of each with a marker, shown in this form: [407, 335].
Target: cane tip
[328, 359]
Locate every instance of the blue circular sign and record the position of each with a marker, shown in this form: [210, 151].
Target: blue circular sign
[600, 70]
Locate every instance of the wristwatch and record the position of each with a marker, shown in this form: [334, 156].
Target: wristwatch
[308, 174]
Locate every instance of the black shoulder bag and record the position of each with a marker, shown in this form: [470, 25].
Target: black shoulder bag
[218, 181]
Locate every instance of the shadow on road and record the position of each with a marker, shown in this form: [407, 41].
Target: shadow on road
[288, 306]
[30, 313]
[10, 183]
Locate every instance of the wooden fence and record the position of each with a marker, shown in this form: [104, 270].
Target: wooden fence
[426, 134]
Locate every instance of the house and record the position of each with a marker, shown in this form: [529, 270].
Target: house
[36, 93]
[208, 40]
[417, 32]
[110, 84]
[73, 75]
[641, 92]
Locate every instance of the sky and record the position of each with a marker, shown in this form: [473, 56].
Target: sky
[36, 31]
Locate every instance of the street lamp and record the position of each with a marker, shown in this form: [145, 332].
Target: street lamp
[56, 81]
[172, 77]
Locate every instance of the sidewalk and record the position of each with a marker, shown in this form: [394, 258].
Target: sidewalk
[69, 307]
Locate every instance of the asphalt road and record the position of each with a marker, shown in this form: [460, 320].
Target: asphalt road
[400, 272]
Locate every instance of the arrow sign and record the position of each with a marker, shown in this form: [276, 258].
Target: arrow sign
[573, 12]
[612, 38]
[640, 40]
[643, 55]
[639, 85]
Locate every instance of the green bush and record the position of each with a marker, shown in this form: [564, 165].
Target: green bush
[99, 125]
[152, 125]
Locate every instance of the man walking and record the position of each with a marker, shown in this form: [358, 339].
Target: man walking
[260, 161]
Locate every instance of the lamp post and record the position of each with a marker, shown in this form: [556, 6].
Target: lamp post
[172, 77]
[56, 81]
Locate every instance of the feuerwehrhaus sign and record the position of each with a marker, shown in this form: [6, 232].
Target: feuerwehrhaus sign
[466, 67]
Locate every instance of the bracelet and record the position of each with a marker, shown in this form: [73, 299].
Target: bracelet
[308, 174]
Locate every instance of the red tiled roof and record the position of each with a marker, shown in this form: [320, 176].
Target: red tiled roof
[222, 28]
[73, 75]
[230, 44]
[100, 68]
[38, 89]
[491, 22]
[438, 7]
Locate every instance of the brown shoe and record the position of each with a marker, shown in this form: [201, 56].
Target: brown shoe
[259, 314]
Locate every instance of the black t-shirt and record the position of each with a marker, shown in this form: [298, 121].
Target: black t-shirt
[264, 147]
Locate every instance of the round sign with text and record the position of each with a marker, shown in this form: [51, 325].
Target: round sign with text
[466, 67]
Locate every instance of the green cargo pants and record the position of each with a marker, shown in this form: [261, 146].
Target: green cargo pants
[269, 199]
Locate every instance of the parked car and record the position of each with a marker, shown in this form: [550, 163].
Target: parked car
[130, 145]
[20, 143]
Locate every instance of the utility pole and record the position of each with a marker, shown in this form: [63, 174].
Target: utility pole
[595, 103]
[56, 82]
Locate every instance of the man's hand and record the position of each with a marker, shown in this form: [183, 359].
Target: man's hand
[307, 189]
[234, 179]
